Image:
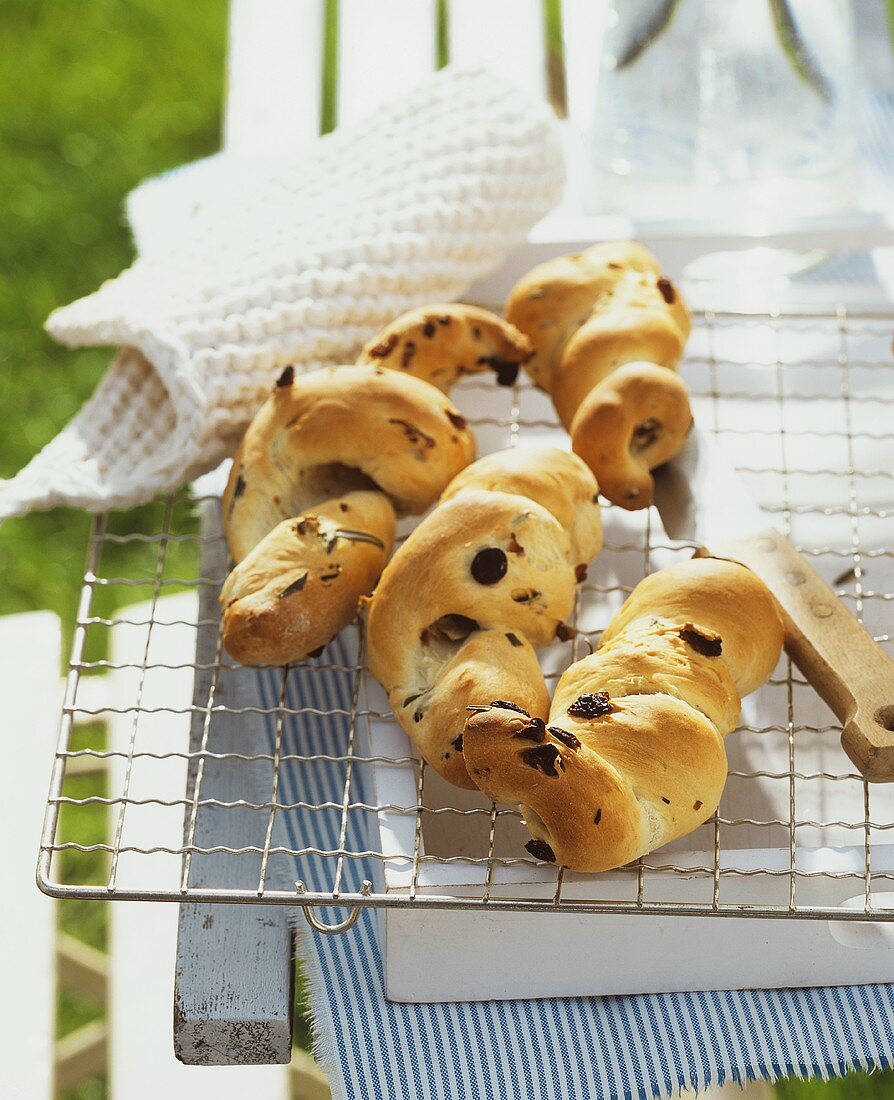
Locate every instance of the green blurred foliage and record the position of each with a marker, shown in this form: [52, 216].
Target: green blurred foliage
[856, 1086]
[94, 97]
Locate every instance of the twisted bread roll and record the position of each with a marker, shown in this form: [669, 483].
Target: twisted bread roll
[632, 756]
[441, 343]
[309, 509]
[489, 575]
[587, 315]
[353, 447]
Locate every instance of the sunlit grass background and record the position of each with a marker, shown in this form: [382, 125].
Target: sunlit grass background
[94, 97]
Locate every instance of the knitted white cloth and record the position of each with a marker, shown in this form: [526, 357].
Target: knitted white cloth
[246, 267]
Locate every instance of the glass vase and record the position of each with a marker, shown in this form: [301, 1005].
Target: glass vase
[725, 109]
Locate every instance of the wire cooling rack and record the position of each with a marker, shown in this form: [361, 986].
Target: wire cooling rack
[208, 773]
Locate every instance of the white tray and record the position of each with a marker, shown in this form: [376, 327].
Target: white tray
[490, 952]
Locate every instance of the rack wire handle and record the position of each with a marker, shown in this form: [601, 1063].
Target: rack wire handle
[850, 672]
[337, 927]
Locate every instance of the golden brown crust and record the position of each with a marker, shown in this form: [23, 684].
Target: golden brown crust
[431, 576]
[724, 599]
[558, 296]
[488, 665]
[636, 419]
[299, 586]
[556, 479]
[610, 286]
[587, 315]
[651, 657]
[599, 802]
[483, 579]
[441, 343]
[318, 476]
[623, 334]
[632, 755]
[355, 426]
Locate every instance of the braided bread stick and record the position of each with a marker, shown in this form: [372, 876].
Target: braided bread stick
[632, 755]
[489, 575]
[309, 509]
[604, 324]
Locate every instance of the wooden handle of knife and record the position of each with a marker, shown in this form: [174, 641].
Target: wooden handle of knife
[843, 663]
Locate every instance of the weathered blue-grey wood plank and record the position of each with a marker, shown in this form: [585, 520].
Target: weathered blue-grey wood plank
[233, 986]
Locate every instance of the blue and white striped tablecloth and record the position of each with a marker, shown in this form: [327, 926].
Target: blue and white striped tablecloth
[558, 1049]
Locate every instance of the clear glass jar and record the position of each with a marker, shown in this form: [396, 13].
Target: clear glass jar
[719, 109]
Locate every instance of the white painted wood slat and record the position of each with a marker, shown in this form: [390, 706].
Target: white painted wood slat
[583, 29]
[385, 47]
[233, 974]
[143, 937]
[233, 987]
[30, 690]
[274, 75]
[505, 36]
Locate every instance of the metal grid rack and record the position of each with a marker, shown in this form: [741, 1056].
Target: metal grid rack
[802, 400]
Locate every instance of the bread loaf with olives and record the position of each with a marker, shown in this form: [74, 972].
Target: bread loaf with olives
[631, 755]
[608, 330]
[329, 461]
[482, 581]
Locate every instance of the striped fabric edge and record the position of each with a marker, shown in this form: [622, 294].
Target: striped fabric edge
[558, 1049]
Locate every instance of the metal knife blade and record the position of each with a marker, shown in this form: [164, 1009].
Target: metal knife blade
[702, 499]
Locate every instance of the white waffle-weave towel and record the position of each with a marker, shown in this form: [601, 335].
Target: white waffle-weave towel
[246, 267]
